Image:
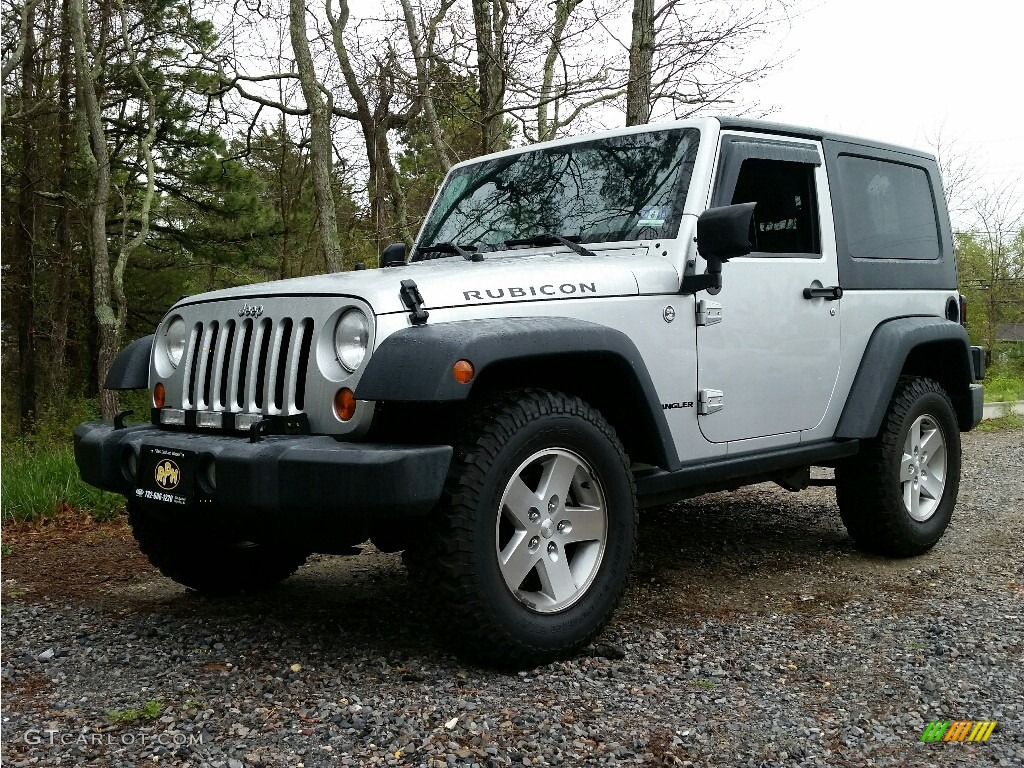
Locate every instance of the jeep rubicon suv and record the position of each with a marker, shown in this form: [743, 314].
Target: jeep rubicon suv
[584, 327]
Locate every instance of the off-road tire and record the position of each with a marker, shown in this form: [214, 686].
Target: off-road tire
[489, 622]
[869, 486]
[212, 567]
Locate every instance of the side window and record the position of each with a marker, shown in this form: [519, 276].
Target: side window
[786, 214]
[889, 209]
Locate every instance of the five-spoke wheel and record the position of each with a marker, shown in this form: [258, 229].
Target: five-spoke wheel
[923, 468]
[551, 529]
[896, 496]
[537, 531]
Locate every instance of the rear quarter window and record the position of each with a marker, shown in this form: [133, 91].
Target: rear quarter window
[889, 210]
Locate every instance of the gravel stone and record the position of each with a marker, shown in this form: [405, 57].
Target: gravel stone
[753, 635]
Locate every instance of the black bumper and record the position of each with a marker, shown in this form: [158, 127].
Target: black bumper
[977, 404]
[279, 481]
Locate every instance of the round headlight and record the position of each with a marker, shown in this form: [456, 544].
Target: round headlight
[174, 340]
[351, 336]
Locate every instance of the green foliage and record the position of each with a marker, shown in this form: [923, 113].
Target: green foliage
[991, 271]
[38, 481]
[1012, 421]
[1003, 385]
[39, 476]
[151, 710]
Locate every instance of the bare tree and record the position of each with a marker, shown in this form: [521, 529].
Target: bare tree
[959, 174]
[641, 64]
[421, 54]
[490, 20]
[320, 106]
[26, 229]
[683, 58]
[109, 305]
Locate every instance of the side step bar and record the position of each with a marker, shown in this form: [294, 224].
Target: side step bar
[657, 486]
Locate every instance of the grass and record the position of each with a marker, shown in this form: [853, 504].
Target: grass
[151, 710]
[1013, 421]
[38, 481]
[1003, 387]
[39, 478]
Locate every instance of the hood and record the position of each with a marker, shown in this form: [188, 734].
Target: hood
[507, 276]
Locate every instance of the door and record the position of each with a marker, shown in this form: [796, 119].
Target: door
[769, 364]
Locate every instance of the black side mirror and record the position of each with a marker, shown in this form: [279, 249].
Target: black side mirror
[722, 234]
[393, 256]
[727, 232]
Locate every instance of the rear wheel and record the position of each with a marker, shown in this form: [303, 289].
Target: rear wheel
[896, 497]
[537, 531]
[213, 566]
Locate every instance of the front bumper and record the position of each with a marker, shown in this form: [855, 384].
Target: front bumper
[279, 481]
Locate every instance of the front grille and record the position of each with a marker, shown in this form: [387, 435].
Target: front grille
[248, 366]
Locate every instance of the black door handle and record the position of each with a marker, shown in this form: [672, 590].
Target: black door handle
[829, 294]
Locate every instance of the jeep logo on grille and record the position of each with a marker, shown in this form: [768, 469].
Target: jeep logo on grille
[251, 310]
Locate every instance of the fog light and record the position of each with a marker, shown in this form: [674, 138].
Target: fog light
[159, 395]
[345, 404]
[172, 416]
[131, 463]
[209, 473]
[208, 419]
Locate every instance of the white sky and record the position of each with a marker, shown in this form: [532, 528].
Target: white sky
[903, 70]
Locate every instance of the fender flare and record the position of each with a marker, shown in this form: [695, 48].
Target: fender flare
[130, 369]
[887, 351]
[415, 364]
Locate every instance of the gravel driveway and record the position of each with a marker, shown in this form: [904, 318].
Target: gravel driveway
[753, 635]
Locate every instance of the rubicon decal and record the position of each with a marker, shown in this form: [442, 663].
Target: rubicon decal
[519, 292]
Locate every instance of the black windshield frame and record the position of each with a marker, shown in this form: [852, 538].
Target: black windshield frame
[628, 187]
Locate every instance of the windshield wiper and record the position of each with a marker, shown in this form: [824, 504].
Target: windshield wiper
[468, 252]
[549, 238]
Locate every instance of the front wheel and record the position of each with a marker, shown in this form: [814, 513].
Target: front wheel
[211, 565]
[537, 531]
[896, 497]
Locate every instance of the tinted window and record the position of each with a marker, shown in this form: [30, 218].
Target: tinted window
[889, 210]
[786, 214]
[620, 188]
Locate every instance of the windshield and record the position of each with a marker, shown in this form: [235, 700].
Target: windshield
[629, 187]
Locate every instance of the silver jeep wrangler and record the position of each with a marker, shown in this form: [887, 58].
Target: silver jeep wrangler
[584, 328]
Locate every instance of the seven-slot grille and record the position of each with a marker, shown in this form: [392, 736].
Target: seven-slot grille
[252, 365]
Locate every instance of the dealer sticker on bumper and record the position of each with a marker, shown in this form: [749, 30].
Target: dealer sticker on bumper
[165, 475]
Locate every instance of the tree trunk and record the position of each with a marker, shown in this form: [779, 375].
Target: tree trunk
[490, 18]
[546, 128]
[321, 152]
[109, 320]
[423, 87]
[65, 255]
[24, 236]
[641, 60]
[383, 177]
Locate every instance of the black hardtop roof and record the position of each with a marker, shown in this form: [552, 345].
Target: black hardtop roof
[766, 126]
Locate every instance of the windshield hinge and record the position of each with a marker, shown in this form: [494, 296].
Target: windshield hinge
[412, 299]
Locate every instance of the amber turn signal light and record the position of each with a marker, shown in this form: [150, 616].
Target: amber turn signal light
[345, 404]
[463, 371]
[159, 395]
